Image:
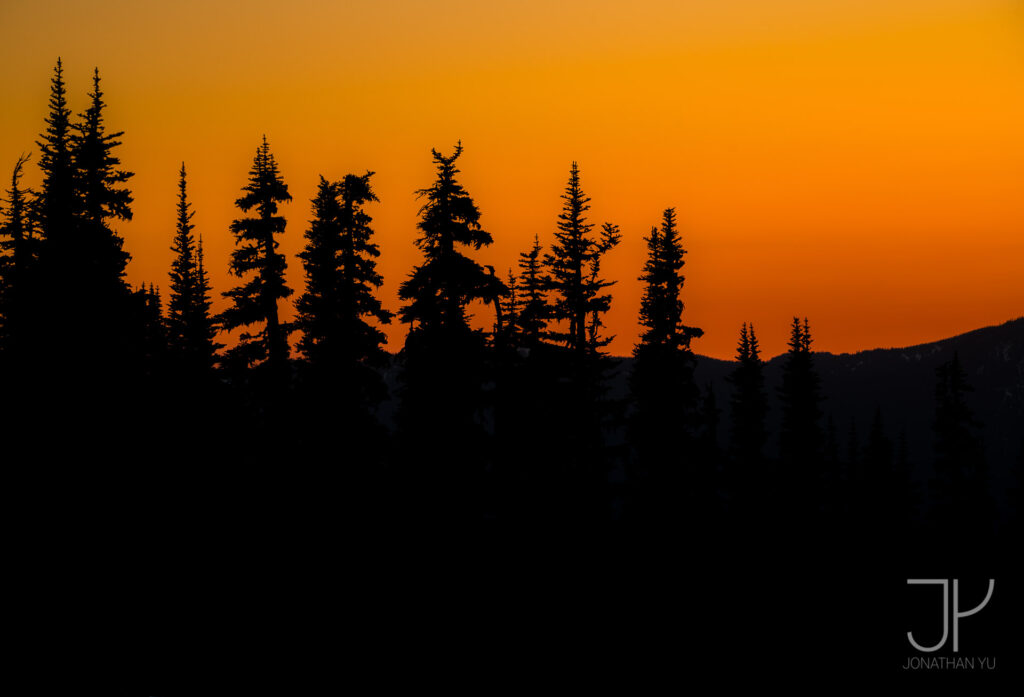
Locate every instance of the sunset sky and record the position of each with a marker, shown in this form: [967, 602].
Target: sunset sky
[858, 162]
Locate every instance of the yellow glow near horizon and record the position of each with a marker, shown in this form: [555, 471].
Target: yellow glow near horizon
[858, 163]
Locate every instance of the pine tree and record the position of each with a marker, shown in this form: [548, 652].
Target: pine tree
[749, 405]
[439, 289]
[533, 311]
[80, 295]
[511, 305]
[444, 360]
[666, 419]
[57, 203]
[256, 259]
[203, 323]
[183, 274]
[19, 244]
[579, 301]
[190, 327]
[573, 270]
[339, 313]
[800, 438]
[102, 197]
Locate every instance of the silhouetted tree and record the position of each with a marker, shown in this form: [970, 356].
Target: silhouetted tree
[99, 183]
[190, 327]
[800, 437]
[511, 305]
[256, 259]
[19, 245]
[339, 312]
[749, 404]
[665, 395]
[80, 294]
[154, 327]
[578, 297]
[577, 291]
[204, 323]
[748, 408]
[57, 203]
[533, 308]
[962, 506]
[444, 359]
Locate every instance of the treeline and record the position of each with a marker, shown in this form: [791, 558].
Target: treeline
[509, 427]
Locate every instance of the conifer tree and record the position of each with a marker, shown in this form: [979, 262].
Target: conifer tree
[665, 421]
[533, 308]
[444, 360]
[57, 202]
[749, 405]
[203, 323]
[572, 270]
[19, 245]
[339, 313]
[183, 274]
[439, 289]
[102, 197]
[190, 327]
[258, 262]
[800, 439]
[511, 305]
[578, 302]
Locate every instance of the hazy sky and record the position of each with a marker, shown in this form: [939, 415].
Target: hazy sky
[857, 162]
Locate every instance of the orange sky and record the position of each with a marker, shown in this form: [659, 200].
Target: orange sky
[858, 162]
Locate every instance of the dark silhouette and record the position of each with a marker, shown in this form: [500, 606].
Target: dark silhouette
[191, 332]
[578, 300]
[444, 360]
[665, 420]
[533, 311]
[748, 408]
[800, 441]
[19, 244]
[339, 316]
[962, 507]
[257, 261]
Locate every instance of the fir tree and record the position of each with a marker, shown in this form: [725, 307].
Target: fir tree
[800, 438]
[203, 322]
[258, 262]
[57, 202]
[533, 309]
[183, 274]
[511, 305]
[749, 405]
[439, 289]
[572, 267]
[102, 196]
[339, 313]
[19, 244]
[444, 360]
[665, 421]
[190, 327]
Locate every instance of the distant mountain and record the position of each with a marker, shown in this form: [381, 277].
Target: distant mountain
[901, 381]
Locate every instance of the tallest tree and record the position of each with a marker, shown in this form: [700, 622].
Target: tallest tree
[57, 193]
[102, 196]
[258, 262]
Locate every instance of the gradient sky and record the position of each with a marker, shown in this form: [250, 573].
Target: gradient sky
[857, 162]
